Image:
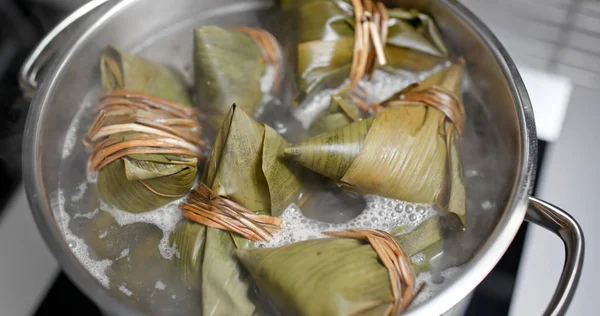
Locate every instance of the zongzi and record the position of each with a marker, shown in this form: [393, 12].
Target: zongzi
[238, 65]
[335, 276]
[245, 185]
[348, 39]
[145, 139]
[408, 151]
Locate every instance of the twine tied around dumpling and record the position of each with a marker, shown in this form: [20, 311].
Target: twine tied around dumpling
[207, 208]
[436, 97]
[395, 260]
[149, 125]
[370, 36]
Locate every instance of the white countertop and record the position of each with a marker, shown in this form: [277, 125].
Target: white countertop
[568, 180]
[27, 268]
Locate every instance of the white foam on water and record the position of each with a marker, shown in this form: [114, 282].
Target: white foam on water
[176, 252]
[431, 289]
[380, 213]
[71, 137]
[418, 258]
[92, 177]
[384, 85]
[79, 191]
[165, 218]
[103, 234]
[159, 285]
[313, 107]
[123, 254]
[97, 268]
[487, 205]
[125, 290]
[267, 81]
[88, 215]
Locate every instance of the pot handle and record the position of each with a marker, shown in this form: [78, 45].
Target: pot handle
[47, 47]
[562, 224]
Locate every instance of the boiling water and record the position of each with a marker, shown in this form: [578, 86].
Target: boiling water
[379, 213]
[130, 254]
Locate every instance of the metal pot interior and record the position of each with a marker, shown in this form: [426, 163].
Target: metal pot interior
[497, 142]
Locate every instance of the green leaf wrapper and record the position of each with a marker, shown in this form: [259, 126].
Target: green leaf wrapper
[142, 182]
[400, 153]
[245, 166]
[228, 68]
[333, 276]
[326, 29]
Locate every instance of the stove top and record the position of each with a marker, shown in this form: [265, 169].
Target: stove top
[17, 37]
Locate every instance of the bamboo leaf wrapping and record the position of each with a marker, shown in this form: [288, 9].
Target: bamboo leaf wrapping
[245, 166]
[283, 180]
[139, 183]
[324, 62]
[142, 170]
[189, 240]
[326, 31]
[228, 68]
[423, 37]
[137, 196]
[121, 70]
[238, 176]
[396, 154]
[333, 22]
[225, 286]
[405, 152]
[321, 277]
[402, 156]
[331, 154]
[332, 276]
[457, 203]
[400, 153]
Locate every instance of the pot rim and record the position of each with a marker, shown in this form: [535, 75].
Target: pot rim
[475, 270]
[499, 240]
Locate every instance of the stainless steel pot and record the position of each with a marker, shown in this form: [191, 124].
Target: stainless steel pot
[129, 24]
